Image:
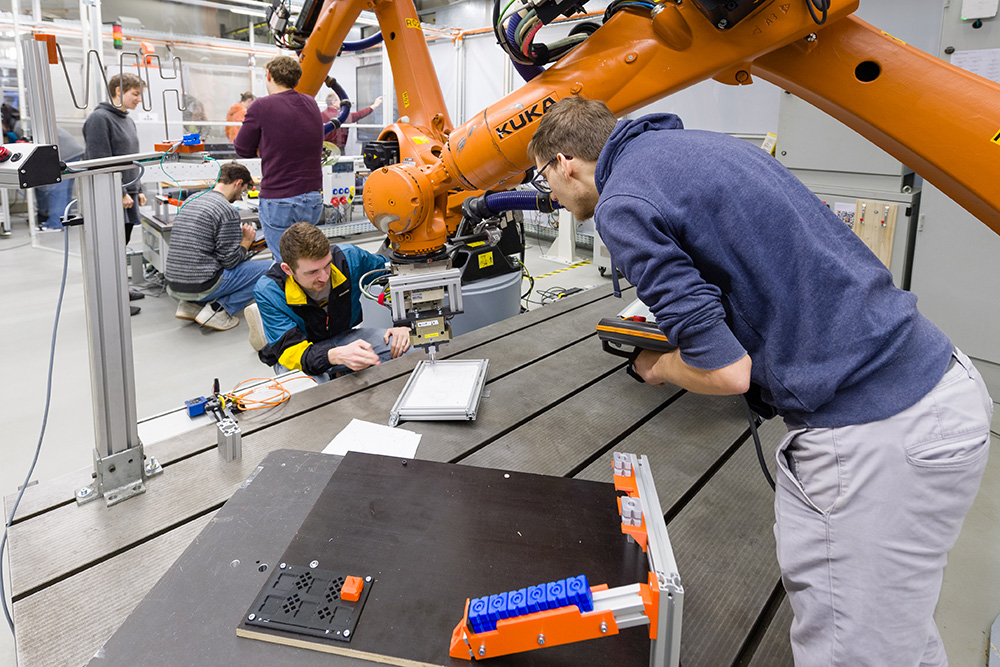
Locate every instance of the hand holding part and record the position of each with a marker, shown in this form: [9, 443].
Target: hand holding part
[356, 355]
[400, 340]
[249, 234]
[645, 366]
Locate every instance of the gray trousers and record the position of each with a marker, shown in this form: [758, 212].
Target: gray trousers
[864, 518]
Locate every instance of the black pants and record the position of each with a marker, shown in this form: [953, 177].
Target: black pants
[131, 217]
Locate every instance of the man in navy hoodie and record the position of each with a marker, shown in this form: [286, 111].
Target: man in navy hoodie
[756, 281]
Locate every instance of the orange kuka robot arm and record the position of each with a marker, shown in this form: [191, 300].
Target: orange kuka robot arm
[938, 119]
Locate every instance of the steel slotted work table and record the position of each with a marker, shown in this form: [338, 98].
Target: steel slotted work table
[556, 405]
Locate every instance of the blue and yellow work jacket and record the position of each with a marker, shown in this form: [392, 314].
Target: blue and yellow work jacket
[298, 329]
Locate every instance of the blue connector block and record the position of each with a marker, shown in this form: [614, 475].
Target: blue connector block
[479, 617]
[498, 608]
[555, 594]
[196, 406]
[578, 592]
[536, 599]
[484, 612]
[192, 139]
[517, 602]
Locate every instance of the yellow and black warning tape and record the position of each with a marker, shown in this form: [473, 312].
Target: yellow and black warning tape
[571, 266]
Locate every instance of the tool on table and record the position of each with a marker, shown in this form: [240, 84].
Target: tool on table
[229, 437]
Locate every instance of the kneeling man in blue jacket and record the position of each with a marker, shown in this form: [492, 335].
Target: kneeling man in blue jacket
[310, 305]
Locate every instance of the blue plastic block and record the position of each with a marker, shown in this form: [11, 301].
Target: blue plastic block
[578, 592]
[192, 139]
[517, 602]
[555, 594]
[196, 406]
[536, 599]
[498, 607]
[479, 614]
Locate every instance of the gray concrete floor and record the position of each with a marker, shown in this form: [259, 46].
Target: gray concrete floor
[177, 360]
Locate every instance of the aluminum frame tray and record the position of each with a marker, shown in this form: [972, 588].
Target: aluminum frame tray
[424, 396]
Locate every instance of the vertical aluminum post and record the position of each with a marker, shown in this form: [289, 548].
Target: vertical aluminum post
[40, 103]
[118, 457]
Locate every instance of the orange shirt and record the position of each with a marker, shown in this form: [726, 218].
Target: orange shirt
[236, 114]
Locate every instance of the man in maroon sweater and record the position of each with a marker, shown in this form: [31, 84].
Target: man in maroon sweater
[286, 130]
[338, 137]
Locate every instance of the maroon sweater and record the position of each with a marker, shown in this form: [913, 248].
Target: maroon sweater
[286, 130]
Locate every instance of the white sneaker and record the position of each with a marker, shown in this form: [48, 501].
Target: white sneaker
[219, 320]
[257, 338]
[186, 310]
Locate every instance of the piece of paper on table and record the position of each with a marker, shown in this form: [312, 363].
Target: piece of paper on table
[369, 438]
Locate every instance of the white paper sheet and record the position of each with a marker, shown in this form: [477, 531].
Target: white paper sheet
[984, 62]
[979, 9]
[369, 438]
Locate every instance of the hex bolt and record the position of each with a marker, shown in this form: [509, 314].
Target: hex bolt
[630, 58]
[347, 633]
[742, 76]
[314, 564]
[282, 566]
[541, 640]
[811, 37]
[482, 650]
[721, 25]
[235, 563]
[604, 628]
[368, 579]
[251, 617]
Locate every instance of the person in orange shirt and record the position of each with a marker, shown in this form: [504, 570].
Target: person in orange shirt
[237, 113]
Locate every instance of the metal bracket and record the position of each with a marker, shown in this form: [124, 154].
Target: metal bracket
[230, 440]
[119, 476]
[665, 650]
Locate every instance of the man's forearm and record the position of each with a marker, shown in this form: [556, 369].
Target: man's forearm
[670, 368]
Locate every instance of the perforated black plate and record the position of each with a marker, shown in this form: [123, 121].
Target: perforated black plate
[306, 601]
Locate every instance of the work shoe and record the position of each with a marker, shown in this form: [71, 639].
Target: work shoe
[187, 310]
[257, 338]
[219, 319]
[135, 295]
[133, 310]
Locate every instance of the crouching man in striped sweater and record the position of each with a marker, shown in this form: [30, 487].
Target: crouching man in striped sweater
[207, 267]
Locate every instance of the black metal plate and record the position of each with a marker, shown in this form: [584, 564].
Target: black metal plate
[304, 600]
[433, 534]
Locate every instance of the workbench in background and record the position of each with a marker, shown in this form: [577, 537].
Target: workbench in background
[556, 405]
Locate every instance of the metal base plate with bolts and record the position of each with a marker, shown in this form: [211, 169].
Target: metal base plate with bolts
[305, 601]
[119, 477]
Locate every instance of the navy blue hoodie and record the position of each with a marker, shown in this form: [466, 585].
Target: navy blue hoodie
[734, 255]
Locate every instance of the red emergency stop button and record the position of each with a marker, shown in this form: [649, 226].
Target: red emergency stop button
[4, 154]
[351, 591]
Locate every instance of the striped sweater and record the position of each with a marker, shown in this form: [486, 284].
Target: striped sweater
[204, 241]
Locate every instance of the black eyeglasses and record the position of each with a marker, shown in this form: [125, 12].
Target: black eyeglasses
[539, 182]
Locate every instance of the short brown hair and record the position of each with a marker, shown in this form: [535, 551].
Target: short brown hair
[575, 127]
[285, 71]
[126, 82]
[234, 171]
[247, 96]
[302, 241]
